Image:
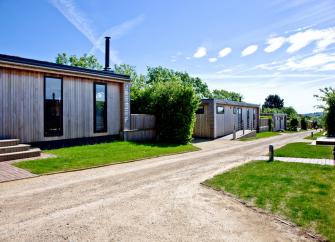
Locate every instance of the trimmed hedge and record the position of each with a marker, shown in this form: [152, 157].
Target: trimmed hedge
[174, 104]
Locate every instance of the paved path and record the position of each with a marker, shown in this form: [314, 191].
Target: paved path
[158, 199]
[302, 160]
[8, 172]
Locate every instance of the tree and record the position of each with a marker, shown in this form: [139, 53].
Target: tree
[85, 61]
[303, 123]
[223, 94]
[328, 98]
[290, 111]
[161, 74]
[293, 126]
[273, 101]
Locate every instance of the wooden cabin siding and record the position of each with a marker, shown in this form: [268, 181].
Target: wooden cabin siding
[204, 123]
[229, 120]
[22, 106]
[214, 125]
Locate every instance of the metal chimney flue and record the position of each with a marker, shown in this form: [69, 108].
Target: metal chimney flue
[107, 68]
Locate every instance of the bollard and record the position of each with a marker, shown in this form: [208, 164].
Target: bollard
[234, 135]
[271, 153]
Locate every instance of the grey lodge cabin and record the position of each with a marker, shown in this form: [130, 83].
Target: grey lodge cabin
[43, 101]
[218, 117]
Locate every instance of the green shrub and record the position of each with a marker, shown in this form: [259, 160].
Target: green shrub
[174, 105]
[303, 124]
[294, 124]
[270, 124]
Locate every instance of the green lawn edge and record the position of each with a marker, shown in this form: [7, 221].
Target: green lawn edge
[261, 135]
[305, 150]
[302, 193]
[97, 155]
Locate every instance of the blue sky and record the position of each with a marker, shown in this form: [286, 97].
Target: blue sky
[255, 47]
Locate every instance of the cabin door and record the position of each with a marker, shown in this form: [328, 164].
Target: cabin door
[239, 118]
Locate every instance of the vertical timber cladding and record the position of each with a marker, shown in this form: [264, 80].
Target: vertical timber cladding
[126, 106]
[21, 105]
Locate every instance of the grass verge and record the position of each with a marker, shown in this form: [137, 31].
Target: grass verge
[304, 193]
[305, 150]
[261, 136]
[315, 135]
[80, 157]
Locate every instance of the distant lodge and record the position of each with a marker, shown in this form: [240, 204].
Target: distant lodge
[217, 117]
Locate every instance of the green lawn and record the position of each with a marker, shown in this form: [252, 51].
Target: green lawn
[315, 135]
[261, 136]
[304, 193]
[305, 150]
[100, 154]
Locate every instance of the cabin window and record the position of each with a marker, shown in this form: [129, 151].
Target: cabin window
[220, 110]
[234, 110]
[53, 106]
[201, 110]
[100, 107]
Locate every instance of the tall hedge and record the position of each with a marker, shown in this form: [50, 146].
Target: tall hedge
[174, 105]
[330, 116]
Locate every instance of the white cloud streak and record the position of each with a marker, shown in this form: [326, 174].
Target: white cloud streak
[224, 52]
[200, 52]
[299, 40]
[213, 59]
[274, 44]
[317, 62]
[251, 49]
[78, 18]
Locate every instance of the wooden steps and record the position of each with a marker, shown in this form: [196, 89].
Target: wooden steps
[11, 149]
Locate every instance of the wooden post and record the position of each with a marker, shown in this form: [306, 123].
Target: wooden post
[271, 153]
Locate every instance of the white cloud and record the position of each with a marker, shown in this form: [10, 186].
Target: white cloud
[213, 59]
[323, 38]
[224, 71]
[249, 50]
[201, 52]
[224, 52]
[299, 40]
[316, 62]
[274, 44]
[70, 10]
[187, 58]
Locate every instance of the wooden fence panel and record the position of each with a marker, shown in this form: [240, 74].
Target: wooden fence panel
[143, 121]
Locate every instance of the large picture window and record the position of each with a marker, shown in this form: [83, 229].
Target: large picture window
[100, 107]
[53, 106]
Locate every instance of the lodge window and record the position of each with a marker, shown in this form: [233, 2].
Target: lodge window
[201, 110]
[53, 106]
[100, 107]
[220, 110]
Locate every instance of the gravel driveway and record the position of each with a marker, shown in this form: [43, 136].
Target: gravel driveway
[158, 199]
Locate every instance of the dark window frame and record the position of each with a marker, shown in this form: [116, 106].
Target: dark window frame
[94, 108]
[201, 109]
[49, 133]
[217, 109]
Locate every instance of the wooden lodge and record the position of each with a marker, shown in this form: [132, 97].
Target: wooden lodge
[218, 117]
[43, 101]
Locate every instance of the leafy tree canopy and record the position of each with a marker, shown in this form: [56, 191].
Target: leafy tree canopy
[273, 101]
[327, 97]
[85, 61]
[223, 94]
[161, 74]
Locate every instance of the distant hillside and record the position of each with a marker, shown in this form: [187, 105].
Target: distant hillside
[316, 114]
